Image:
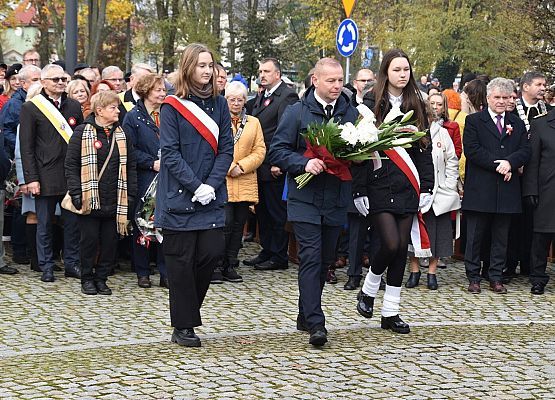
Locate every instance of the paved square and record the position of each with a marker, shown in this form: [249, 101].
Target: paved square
[56, 343]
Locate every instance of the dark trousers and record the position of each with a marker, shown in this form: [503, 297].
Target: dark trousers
[271, 212]
[316, 252]
[520, 241]
[477, 226]
[141, 258]
[19, 238]
[45, 207]
[538, 258]
[190, 260]
[99, 245]
[236, 215]
[358, 232]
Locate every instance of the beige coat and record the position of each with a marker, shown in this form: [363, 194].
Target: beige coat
[249, 152]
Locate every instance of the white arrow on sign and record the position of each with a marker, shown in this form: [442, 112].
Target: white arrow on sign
[352, 31]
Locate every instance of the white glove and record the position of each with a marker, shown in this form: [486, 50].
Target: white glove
[204, 194]
[425, 200]
[362, 205]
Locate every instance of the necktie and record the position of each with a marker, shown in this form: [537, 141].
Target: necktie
[235, 121]
[56, 103]
[156, 117]
[329, 108]
[107, 132]
[267, 94]
[499, 126]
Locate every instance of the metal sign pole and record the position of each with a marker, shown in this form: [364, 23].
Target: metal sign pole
[347, 67]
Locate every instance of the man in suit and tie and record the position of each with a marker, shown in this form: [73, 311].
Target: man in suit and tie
[528, 106]
[496, 146]
[271, 209]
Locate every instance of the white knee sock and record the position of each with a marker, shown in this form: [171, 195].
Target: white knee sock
[371, 284]
[391, 300]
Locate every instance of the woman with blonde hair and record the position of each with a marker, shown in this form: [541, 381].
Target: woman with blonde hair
[78, 89]
[197, 149]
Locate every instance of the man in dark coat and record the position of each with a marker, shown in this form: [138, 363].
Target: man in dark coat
[496, 146]
[539, 194]
[271, 209]
[318, 210]
[43, 151]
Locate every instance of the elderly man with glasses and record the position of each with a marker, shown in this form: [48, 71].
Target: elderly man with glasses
[46, 124]
[31, 57]
[114, 75]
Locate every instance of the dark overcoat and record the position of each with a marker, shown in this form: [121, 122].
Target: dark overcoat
[539, 174]
[325, 198]
[484, 188]
[269, 111]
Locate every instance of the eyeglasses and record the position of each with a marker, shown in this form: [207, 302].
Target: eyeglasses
[115, 79]
[58, 79]
[364, 80]
[236, 101]
[32, 60]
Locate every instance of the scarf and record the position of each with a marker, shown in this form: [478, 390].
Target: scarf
[89, 175]
[202, 93]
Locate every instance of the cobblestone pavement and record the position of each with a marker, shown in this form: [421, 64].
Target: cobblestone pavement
[58, 343]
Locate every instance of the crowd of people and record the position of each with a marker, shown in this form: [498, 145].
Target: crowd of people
[78, 153]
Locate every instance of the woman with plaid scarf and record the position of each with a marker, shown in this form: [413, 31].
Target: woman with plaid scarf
[102, 182]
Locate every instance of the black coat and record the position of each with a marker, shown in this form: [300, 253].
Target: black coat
[539, 174]
[43, 150]
[484, 188]
[269, 116]
[388, 188]
[108, 185]
[325, 199]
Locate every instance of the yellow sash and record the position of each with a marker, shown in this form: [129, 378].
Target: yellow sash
[54, 116]
[127, 104]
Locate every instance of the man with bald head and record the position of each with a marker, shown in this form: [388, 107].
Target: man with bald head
[363, 83]
[318, 210]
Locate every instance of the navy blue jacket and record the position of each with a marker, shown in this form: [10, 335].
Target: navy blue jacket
[145, 136]
[325, 199]
[484, 188]
[5, 164]
[9, 119]
[187, 162]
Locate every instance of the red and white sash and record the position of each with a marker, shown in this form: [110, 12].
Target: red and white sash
[197, 117]
[418, 233]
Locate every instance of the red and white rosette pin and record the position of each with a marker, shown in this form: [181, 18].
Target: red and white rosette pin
[72, 121]
[97, 144]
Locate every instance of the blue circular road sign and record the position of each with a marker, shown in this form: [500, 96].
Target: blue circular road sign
[347, 37]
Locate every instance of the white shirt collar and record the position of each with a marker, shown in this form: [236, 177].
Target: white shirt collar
[395, 101]
[529, 105]
[135, 95]
[272, 90]
[323, 102]
[493, 116]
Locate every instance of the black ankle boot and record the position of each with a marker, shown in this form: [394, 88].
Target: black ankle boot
[432, 282]
[413, 280]
[395, 323]
[365, 305]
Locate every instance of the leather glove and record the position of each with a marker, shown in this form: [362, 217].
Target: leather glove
[76, 201]
[362, 205]
[204, 194]
[531, 201]
[425, 200]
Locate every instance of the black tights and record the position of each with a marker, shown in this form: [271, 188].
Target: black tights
[394, 232]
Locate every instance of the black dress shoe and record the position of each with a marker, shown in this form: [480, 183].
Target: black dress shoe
[185, 337]
[35, 267]
[537, 288]
[432, 282]
[217, 276]
[318, 336]
[144, 282]
[48, 276]
[7, 270]
[72, 272]
[301, 324]
[396, 324]
[254, 261]
[270, 266]
[103, 289]
[164, 282]
[353, 283]
[88, 287]
[365, 305]
[414, 279]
